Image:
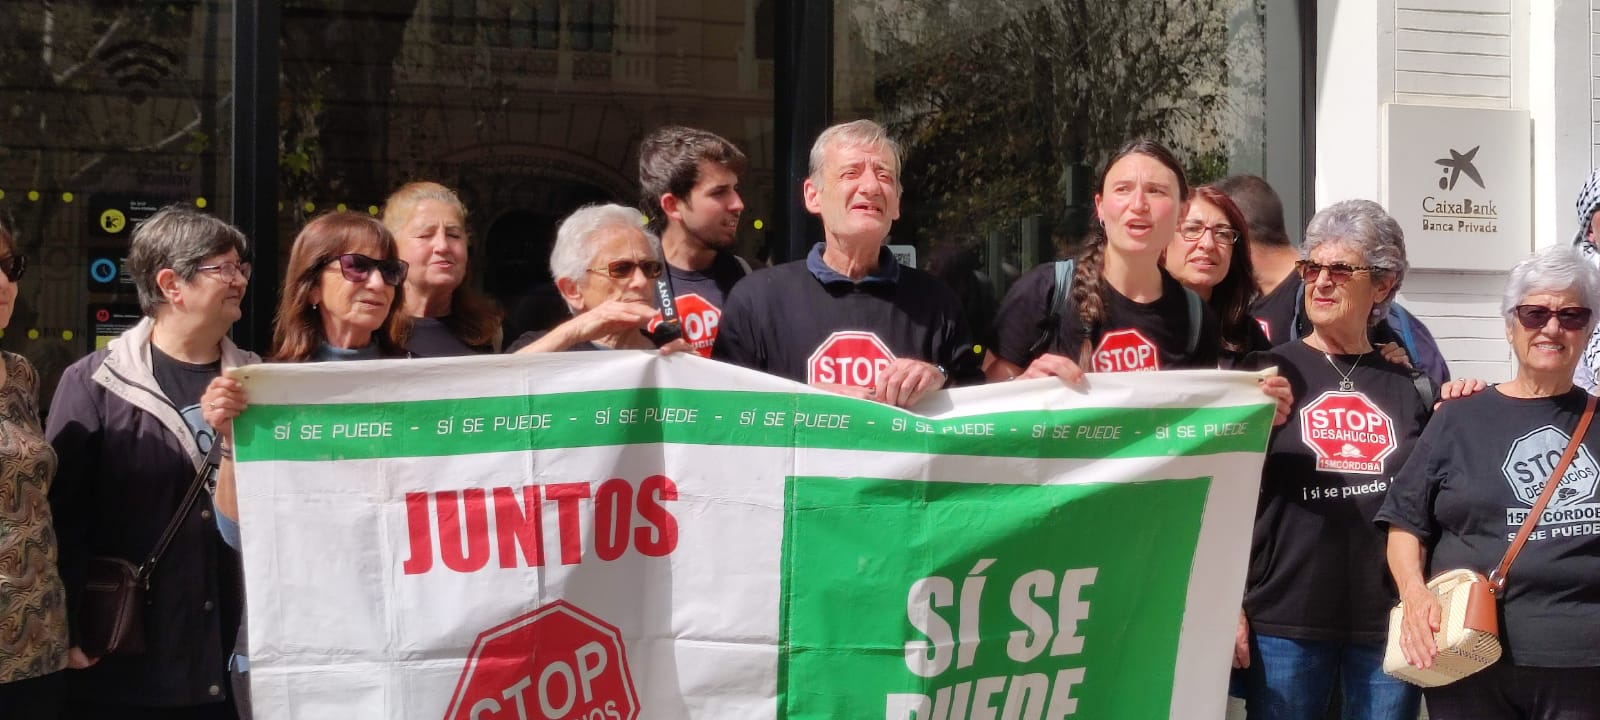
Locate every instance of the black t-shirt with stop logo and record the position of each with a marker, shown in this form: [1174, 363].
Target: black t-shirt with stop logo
[1470, 483]
[1317, 564]
[804, 322]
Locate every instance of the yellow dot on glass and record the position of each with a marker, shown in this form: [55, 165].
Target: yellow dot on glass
[33, 195]
[310, 207]
[66, 334]
[66, 197]
[2, 194]
[2, 332]
[372, 210]
[341, 207]
[644, 219]
[977, 349]
[760, 224]
[33, 333]
[200, 202]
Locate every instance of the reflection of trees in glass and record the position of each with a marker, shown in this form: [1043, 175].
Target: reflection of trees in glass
[335, 93]
[1004, 105]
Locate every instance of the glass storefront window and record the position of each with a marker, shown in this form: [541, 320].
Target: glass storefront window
[1008, 108]
[109, 112]
[528, 108]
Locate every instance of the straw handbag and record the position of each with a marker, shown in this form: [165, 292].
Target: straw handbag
[1469, 631]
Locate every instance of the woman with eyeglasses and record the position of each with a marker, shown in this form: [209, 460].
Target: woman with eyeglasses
[33, 618]
[605, 265]
[1119, 310]
[1316, 597]
[343, 298]
[1201, 258]
[1475, 475]
[448, 315]
[127, 427]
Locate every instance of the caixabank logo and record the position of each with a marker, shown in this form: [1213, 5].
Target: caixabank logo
[1451, 212]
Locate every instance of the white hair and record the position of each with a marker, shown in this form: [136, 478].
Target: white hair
[574, 253]
[856, 133]
[1551, 270]
[1367, 228]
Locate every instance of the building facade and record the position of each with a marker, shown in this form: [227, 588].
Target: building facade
[268, 113]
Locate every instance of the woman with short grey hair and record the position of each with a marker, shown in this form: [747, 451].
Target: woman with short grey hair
[1365, 226]
[1466, 489]
[605, 264]
[127, 425]
[1316, 599]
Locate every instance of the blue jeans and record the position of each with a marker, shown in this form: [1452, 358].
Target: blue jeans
[1294, 680]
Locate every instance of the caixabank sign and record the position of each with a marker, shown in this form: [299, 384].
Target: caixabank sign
[1458, 180]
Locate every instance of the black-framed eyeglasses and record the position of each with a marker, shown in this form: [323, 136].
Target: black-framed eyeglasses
[1223, 234]
[13, 266]
[623, 269]
[1535, 317]
[357, 268]
[228, 271]
[1339, 273]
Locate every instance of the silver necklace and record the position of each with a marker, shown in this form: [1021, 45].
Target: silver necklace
[1345, 384]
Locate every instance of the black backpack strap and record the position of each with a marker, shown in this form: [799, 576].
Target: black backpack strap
[1051, 324]
[1196, 317]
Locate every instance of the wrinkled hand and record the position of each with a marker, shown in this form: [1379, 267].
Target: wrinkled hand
[1051, 364]
[1460, 388]
[1241, 643]
[608, 319]
[676, 346]
[222, 401]
[905, 381]
[1395, 354]
[76, 660]
[1418, 623]
[1277, 388]
[845, 390]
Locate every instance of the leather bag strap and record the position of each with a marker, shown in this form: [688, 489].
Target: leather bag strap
[193, 493]
[1497, 579]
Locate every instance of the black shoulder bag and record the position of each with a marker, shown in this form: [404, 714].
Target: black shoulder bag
[110, 614]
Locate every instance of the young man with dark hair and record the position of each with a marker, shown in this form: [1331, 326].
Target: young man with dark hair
[689, 181]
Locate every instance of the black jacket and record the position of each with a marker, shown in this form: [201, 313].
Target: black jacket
[127, 457]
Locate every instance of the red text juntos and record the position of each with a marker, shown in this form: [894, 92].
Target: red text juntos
[621, 514]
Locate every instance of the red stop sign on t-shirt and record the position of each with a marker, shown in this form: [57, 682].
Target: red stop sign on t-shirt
[699, 319]
[849, 357]
[1348, 433]
[1125, 351]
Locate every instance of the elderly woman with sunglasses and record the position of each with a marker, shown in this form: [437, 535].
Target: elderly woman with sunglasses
[1473, 478]
[33, 618]
[343, 299]
[127, 427]
[605, 265]
[1317, 599]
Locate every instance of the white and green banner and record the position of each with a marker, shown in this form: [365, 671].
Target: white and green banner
[601, 536]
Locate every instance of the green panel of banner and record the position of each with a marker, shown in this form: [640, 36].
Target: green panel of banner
[431, 428]
[997, 601]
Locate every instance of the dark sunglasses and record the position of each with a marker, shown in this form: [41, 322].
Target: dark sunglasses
[623, 269]
[1339, 273]
[357, 268]
[13, 267]
[1535, 317]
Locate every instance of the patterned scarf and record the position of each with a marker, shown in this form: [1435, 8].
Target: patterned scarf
[1587, 375]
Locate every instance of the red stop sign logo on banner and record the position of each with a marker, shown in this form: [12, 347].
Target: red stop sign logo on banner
[1348, 433]
[849, 357]
[1125, 351]
[557, 662]
[699, 319]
